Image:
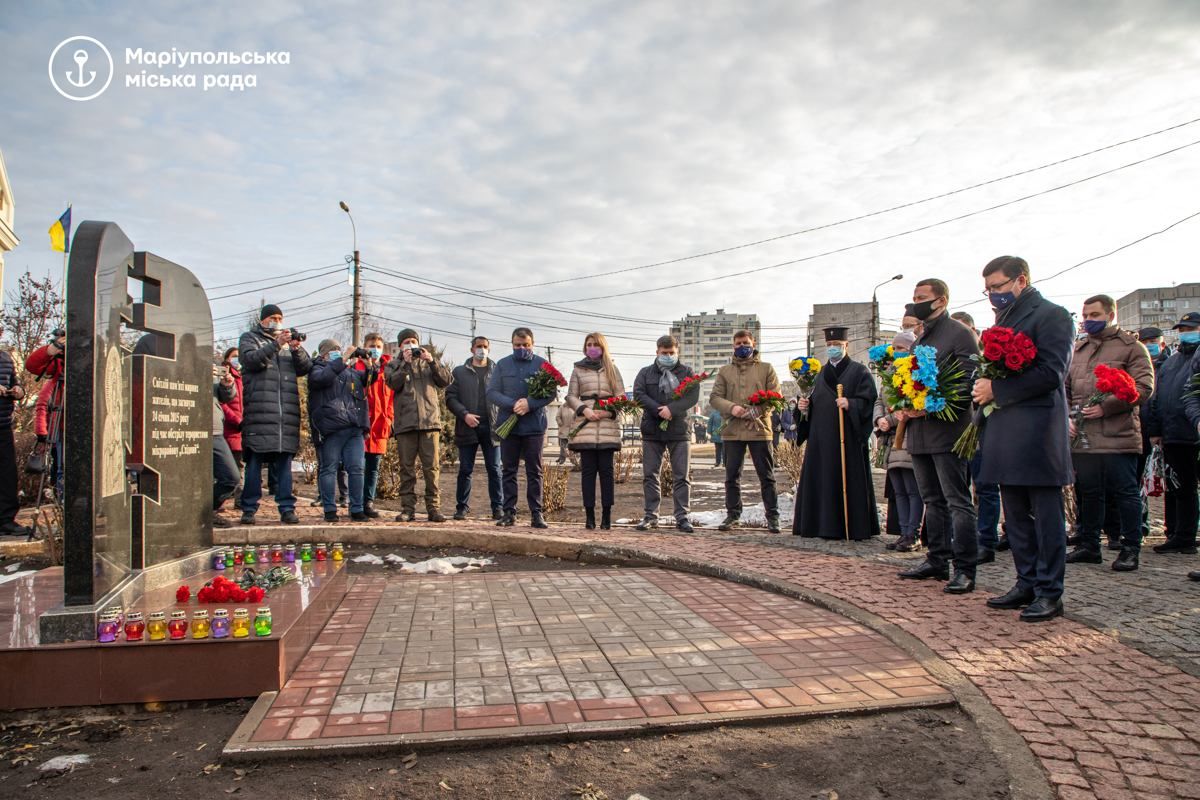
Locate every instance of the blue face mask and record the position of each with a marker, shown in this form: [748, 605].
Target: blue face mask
[1001, 300]
[1095, 327]
[521, 354]
[1154, 348]
[334, 355]
[375, 352]
[1189, 337]
[834, 353]
[666, 362]
[743, 351]
[233, 362]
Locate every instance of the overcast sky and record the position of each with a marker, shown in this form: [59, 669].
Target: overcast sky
[492, 145]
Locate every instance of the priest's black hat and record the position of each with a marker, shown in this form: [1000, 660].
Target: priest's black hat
[836, 333]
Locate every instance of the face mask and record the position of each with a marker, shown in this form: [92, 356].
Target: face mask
[1189, 337]
[1094, 327]
[923, 309]
[1154, 349]
[334, 355]
[593, 352]
[834, 353]
[1001, 300]
[521, 354]
[743, 351]
[271, 325]
[481, 353]
[376, 352]
[666, 362]
[233, 362]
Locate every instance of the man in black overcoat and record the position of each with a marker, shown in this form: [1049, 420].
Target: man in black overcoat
[1026, 445]
[819, 509]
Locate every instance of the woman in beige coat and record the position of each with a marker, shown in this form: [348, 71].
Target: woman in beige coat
[595, 378]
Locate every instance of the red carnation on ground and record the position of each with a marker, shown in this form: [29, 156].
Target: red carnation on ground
[183, 594]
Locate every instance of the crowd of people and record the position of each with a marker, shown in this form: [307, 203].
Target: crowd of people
[1043, 430]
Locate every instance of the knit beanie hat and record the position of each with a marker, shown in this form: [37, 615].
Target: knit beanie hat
[904, 340]
[269, 311]
[328, 345]
[407, 333]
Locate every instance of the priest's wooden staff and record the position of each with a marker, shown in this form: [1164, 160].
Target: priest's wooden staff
[842, 435]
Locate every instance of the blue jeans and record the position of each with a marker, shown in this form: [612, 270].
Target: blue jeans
[279, 465]
[225, 472]
[910, 509]
[466, 469]
[987, 499]
[371, 476]
[343, 448]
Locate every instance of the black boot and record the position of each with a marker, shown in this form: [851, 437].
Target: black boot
[606, 518]
[369, 510]
[589, 518]
[536, 520]
[1127, 561]
[1084, 555]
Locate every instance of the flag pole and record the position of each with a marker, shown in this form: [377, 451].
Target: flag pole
[62, 297]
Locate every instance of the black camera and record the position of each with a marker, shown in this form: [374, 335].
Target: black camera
[297, 336]
[360, 352]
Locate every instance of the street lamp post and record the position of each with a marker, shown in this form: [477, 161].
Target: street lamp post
[356, 301]
[875, 308]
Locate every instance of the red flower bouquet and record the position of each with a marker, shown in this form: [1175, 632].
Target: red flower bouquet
[1110, 382]
[543, 385]
[1005, 352]
[682, 389]
[617, 406]
[761, 404]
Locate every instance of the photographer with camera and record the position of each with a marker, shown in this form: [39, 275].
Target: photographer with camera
[415, 378]
[47, 363]
[272, 359]
[10, 391]
[381, 413]
[337, 404]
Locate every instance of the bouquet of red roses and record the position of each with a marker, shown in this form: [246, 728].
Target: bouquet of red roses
[617, 406]
[1110, 382]
[761, 404]
[1005, 352]
[681, 390]
[543, 385]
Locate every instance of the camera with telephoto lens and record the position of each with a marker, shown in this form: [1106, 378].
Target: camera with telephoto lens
[297, 336]
[360, 352]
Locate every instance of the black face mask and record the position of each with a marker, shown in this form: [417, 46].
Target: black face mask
[923, 310]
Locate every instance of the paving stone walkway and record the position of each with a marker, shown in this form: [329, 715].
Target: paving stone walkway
[412, 659]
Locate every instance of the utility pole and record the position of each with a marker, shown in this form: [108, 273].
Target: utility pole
[472, 324]
[356, 299]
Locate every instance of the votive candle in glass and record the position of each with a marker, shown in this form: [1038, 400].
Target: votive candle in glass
[156, 626]
[248, 556]
[135, 626]
[229, 557]
[264, 554]
[201, 627]
[289, 554]
[262, 622]
[306, 553]
[238, 558]
[322, 551]
[241, 623]
[219, 559]
[276, 554]
[339, 551]
[220, 623]
[177, 627]
[116, 611]
[107, 628]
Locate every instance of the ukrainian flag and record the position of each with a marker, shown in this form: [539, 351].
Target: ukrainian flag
[60, 233]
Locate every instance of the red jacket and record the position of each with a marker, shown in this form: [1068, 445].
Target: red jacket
[48, 368]
[380, 410]
[233, 414]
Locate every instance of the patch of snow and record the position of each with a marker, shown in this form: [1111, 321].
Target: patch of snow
[392, 558]
[12, 576]
[65, 763]
[446, 566]
[753, 516]
[368, 558]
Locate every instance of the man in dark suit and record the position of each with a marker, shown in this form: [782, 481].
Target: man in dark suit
[1026, 446]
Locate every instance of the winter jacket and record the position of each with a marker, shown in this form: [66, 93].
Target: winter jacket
[380, 407]
[467, 394]
[271, 394]
[233, 413]
[222, 396]
[1191, 393]
[587, 385]
[1120, 429]
[929, 435]
[48, 369]
[1025, 440]
[337, 397]
[897, 459]
[734, 385]
[507, 385]
[8, 379]
[416, 385]
[714, 426]
[1167, 416]
[44, 365]
[648, 391]
[565, 420]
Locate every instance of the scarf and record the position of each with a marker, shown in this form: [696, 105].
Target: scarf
[667, 384]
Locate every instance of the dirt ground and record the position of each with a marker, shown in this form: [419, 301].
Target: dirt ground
[930, 754]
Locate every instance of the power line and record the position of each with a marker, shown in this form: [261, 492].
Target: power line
[860, 217]
[288, 282]
[294, 274]
[284, 302]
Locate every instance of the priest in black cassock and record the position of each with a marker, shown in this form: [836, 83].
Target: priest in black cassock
[819, 510]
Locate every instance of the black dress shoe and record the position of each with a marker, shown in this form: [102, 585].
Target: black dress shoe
[331, 516]
[1127, 561]
[359, 516]
[986, 556]
[1002, 544]
[685, 526]
[1115, 544]
[1074, 540]
[606, 518]
[772, 524]
[1084, 555]
[1016, 597]
[729, 523]
[589, 518]
[926, 570]
[506, 521]
[289, 518]
[1194, 575]
[892, 544]
[907, 544]
[460, 514]
[1175, 547]
[370, 511]
[1042, 609]
[247, 518]
[435, 516]
[536, 521]
[497, 513]
[960, 584]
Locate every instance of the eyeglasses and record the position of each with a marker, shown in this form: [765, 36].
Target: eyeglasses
[988, 290]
